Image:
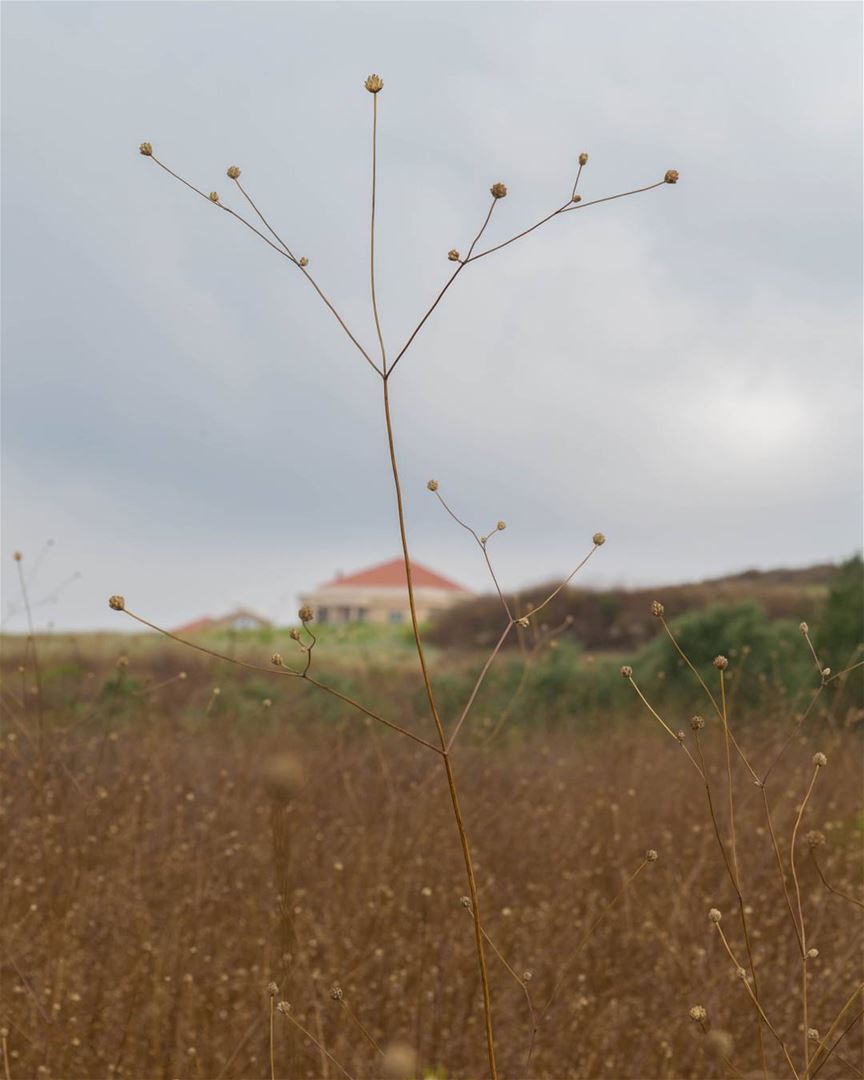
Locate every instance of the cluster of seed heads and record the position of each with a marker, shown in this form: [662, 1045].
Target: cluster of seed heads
[699, 1013]
[721, 663]
[819, 760]
[657, 609]
[697, 723]
[714, 915]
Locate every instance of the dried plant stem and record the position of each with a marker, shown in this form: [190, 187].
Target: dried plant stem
[563, 585]
[477, 685]
[37, 670]
[470, 257]
[703, 1027]
[524, 986]
[272, 1041]
[727, 737]
[793, 734]
[823, 1042]
[816, 660]
[481, 543]
[6, 1070]
[803, 935]
[281, 250]
[780, 869]
[159, 686]
[363, 1031]
[372, 232]
[462, 264]
[289, 673]
[264, 220]
[728, 745]
[756, 1003]
[318, 1044]
[830, 888]
[583, 941]
[834, 1046]
[448, 767]
[666, 727]
[711, 697]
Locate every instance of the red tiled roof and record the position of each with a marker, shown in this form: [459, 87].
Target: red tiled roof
[195, 625]
[391, 574]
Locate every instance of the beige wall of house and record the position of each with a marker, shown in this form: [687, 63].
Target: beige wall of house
[340, 604]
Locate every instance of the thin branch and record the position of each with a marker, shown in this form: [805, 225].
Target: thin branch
[665, 726]
[832, 1048]
[564, 584]
[283, 251]
[835, 1024]
[440, 295]
[711, 697]
[284, 671]
[566, 209]
[372, 232]
[830, 888]
[264, 220]
[313, 1040]
[481, 543]
[520, 981]
[477, 686]
[586, 936]
[755, 1001]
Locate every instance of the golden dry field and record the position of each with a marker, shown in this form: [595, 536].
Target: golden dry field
[169, 852]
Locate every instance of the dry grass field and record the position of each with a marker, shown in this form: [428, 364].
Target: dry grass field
[168, 852]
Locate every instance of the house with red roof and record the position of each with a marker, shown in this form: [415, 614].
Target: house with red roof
[239, 619]
[380, 595]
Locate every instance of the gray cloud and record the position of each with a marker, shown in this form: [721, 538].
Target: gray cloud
[681, 369]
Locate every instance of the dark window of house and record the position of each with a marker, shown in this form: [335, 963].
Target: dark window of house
[395, 617]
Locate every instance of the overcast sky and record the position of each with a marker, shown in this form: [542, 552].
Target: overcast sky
[681, 369]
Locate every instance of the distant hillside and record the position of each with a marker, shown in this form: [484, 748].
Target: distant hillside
[620, 619]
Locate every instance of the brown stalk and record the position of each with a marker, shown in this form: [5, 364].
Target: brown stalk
[361, 1027]
[583, 941]
[430, 696]
[372, 232]
[283, 250]
[711, 697]
[666, 727]
[754, 998]
[834, 1046]
[316, 1043]
[290, 673]
[448, 767]
[737, 882]
[803, 934]
[524, 987]
[830, 888]
[444, 748]
[823, 1042]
